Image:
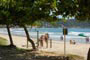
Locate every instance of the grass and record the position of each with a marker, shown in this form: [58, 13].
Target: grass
[74, 57]
[3, 41]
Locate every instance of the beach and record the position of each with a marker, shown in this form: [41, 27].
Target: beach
[57, 46]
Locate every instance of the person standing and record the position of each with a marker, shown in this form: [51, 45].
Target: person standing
[46, 39]
[41, 40]
[87, 39]
[61, 38]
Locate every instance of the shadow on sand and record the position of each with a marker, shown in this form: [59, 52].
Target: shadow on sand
[14, 53]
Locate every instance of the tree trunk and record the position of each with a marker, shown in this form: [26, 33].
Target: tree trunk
[9, 34]
[29, 39]
[88, 56]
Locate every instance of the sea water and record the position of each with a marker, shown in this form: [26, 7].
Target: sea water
[54, 33]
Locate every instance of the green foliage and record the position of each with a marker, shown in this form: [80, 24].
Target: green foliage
[26, 12]
[83, 10]
[37, 23]
[6, 7]
[77, 8]
[66, 8]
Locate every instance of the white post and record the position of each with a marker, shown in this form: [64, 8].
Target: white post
[65, 45]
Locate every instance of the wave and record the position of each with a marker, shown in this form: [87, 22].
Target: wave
[74, 33]
[77, 33]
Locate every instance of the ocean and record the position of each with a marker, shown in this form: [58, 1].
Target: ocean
[54, 33]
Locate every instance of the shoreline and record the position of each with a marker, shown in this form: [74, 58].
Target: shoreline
[57, 46]
[54, 39]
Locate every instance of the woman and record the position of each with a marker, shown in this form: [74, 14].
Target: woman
[41, 40]
[46, 39]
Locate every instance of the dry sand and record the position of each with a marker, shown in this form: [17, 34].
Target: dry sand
[57, 46]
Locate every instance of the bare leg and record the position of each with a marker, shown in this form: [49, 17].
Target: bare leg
[41, 43]
[46, 41]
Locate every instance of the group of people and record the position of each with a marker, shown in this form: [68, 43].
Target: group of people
[73, 41]
[42, 39]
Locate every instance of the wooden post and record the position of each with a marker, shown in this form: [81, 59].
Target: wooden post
[65, 45]
[50, 43]
[27, 43]
[37, 39]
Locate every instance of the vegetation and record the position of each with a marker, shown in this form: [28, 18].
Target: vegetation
[23, 13]
[69, 23]
[77, 8]
[74, 57]
[3, 41]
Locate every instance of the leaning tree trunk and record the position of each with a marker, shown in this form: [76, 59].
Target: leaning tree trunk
[9, 34]
[88, 56]
[29, 39]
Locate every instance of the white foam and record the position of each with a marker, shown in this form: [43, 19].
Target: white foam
[74, 33]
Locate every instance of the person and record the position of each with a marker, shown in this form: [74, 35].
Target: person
[87, 39]
[41, 40]
[46, 39]
[61, 38]
[72, 42]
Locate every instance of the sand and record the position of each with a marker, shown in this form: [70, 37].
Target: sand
[57, 46]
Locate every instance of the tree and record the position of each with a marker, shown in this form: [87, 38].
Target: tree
[20, 17]
[27, 12]
[76, 8]
[22, 13]
[83, 10]
[5, 18]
